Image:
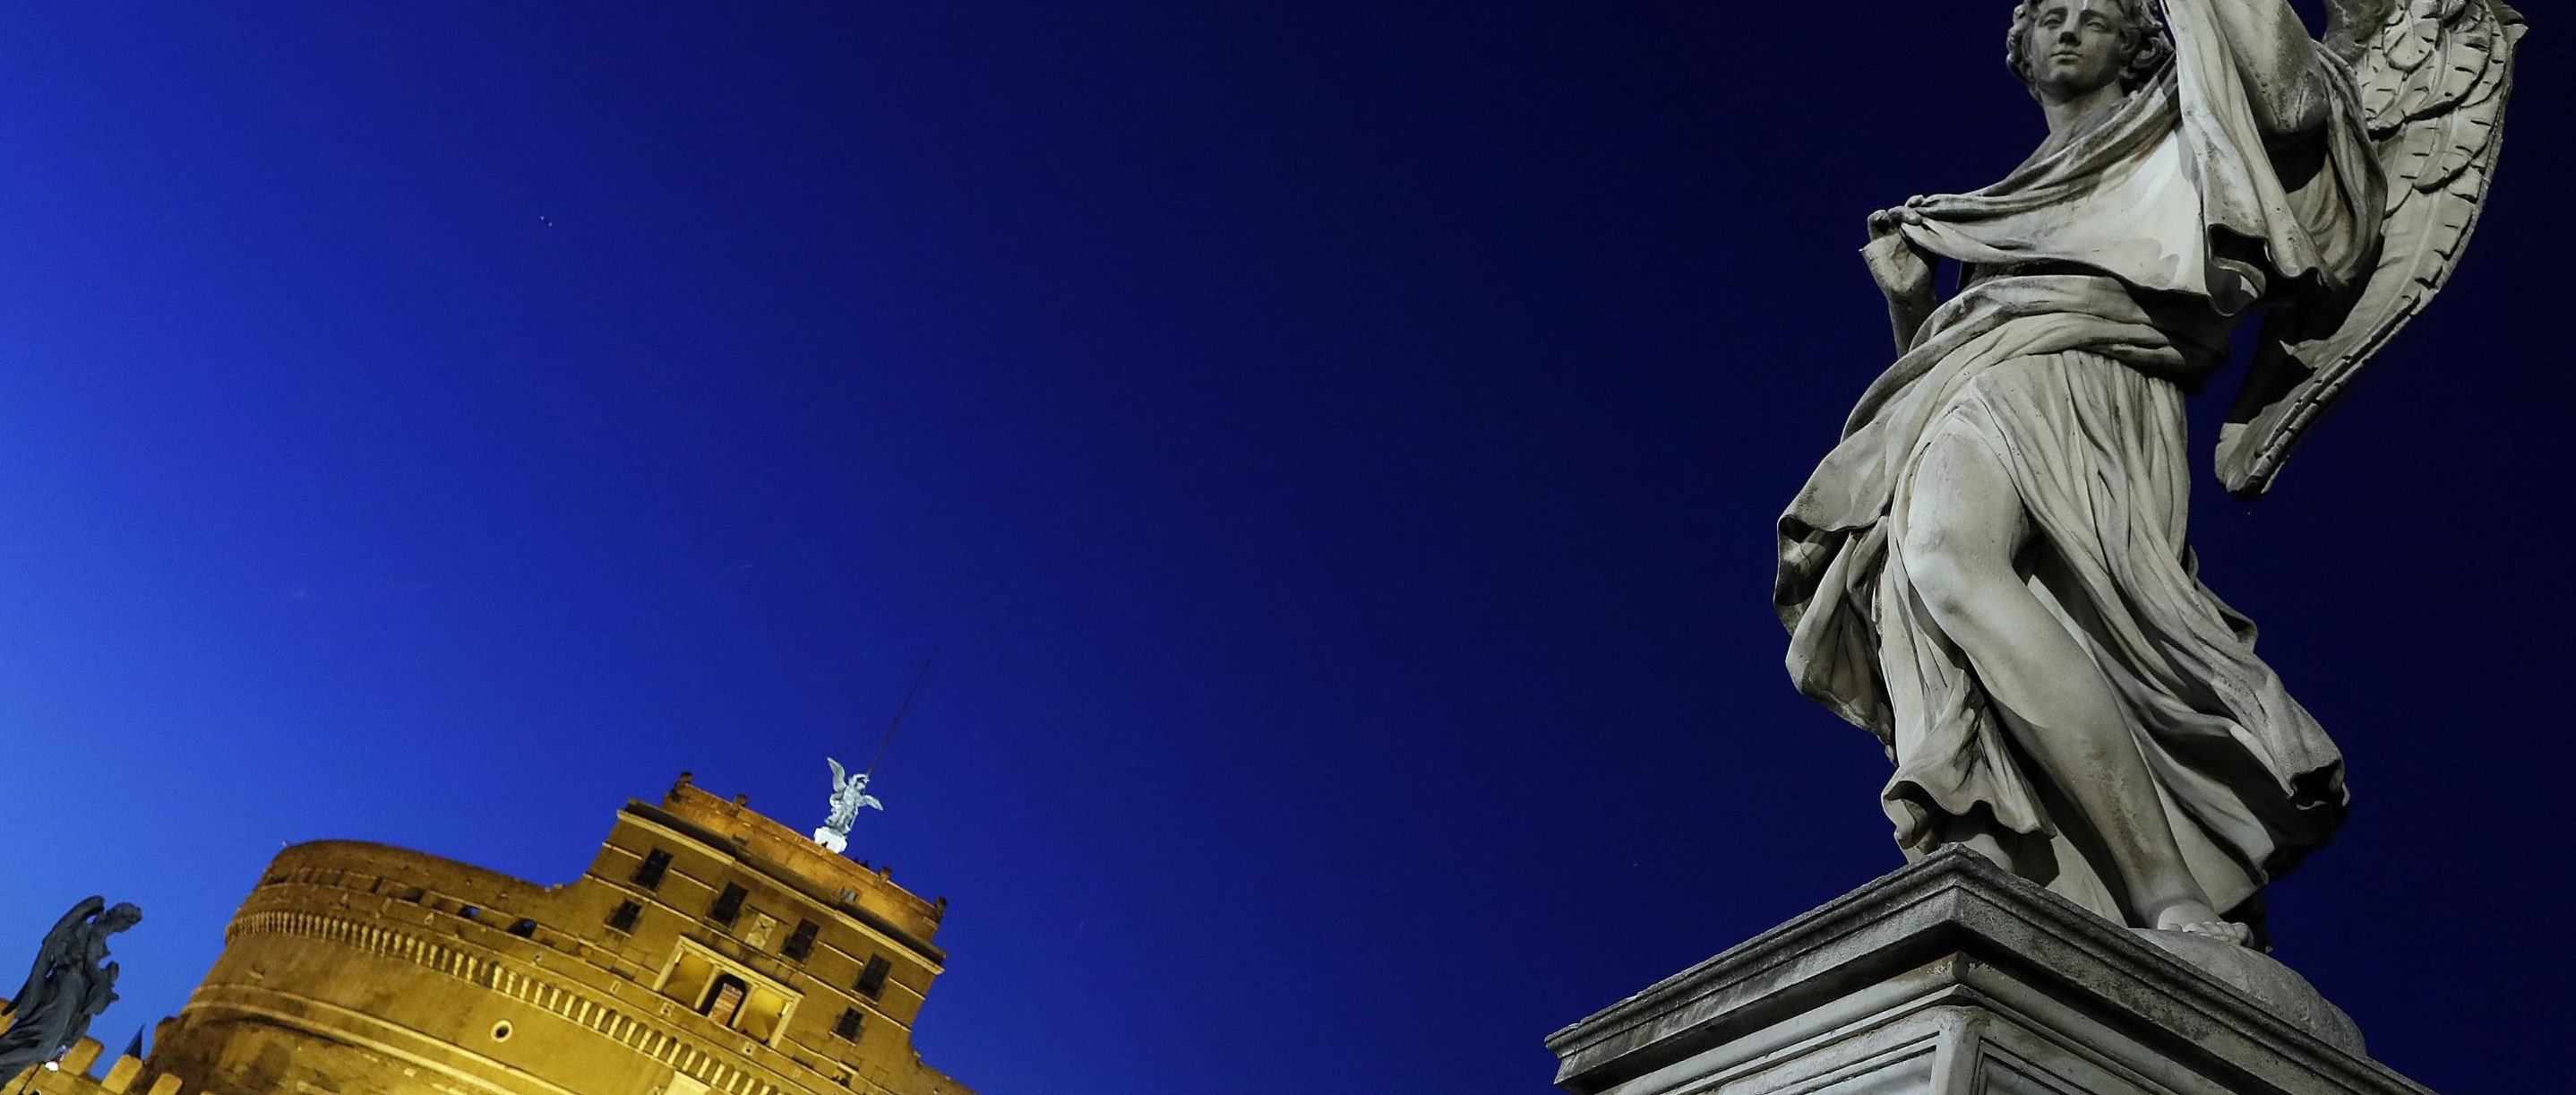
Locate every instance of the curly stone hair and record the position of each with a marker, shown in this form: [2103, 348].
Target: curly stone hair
[2155, 44]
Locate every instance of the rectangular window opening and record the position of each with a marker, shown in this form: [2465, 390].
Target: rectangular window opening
[728, 906]
[524, 928]
[648, 874]
[847, 1029]
[802, 942]
[872, 979]
[622, 919]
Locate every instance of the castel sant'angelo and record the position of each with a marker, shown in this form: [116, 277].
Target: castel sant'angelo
[707, 949]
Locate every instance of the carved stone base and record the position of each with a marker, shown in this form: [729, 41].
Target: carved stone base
[1953, 977]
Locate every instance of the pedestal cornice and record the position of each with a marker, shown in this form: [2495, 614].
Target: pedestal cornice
[1952, 936]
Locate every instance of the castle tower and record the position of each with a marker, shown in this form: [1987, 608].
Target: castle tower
[707, 949]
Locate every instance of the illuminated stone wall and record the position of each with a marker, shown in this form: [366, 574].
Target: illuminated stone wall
[707, 949]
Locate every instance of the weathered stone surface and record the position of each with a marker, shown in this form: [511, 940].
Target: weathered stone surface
[2258, 975]
[1955, 977]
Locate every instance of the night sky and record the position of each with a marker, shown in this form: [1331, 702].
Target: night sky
[1334, 446]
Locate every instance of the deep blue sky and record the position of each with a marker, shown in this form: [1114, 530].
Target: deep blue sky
[1335, 444]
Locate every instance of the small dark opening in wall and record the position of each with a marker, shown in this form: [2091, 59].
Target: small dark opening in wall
[648, 874]
[848, 1028]
[724, 999]
[728, 906]
[622, 918]
[872, 979]
[523, 928]
[468, 912]
[802, 943]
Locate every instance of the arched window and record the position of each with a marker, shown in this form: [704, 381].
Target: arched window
[724, 999]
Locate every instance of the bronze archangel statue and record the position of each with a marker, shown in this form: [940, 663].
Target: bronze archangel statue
[1990, 570]
[849, 796]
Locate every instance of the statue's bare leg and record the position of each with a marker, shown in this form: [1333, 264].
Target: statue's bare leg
[1965, 525]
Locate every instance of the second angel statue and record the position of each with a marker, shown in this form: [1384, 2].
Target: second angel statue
[1990, 570]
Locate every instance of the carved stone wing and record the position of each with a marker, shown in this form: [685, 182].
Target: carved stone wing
[2434, 76]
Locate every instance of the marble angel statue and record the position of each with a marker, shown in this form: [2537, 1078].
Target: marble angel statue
[1990, 570]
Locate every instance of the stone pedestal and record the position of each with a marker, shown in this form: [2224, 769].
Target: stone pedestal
[1953, 977]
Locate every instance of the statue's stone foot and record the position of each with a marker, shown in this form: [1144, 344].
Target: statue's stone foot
[2279, 989]
[2223, 931]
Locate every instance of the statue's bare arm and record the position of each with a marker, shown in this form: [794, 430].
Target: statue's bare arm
[2284, 70]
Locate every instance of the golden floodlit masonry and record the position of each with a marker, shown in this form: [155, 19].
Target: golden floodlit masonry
[707, 950]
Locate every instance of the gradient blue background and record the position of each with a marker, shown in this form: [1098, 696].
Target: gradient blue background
[1334, 443]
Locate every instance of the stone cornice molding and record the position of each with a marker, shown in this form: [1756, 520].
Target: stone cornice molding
[691, 1055]
[654, 818]
[1959, 909]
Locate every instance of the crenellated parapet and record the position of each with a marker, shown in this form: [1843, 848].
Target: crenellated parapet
[71, 1075]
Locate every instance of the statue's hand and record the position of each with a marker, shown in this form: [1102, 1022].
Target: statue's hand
[1888, 222]
[1905, 274]
[1901, 271]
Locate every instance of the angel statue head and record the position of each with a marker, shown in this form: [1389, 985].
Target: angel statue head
[117, 918]
[2067, 49]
